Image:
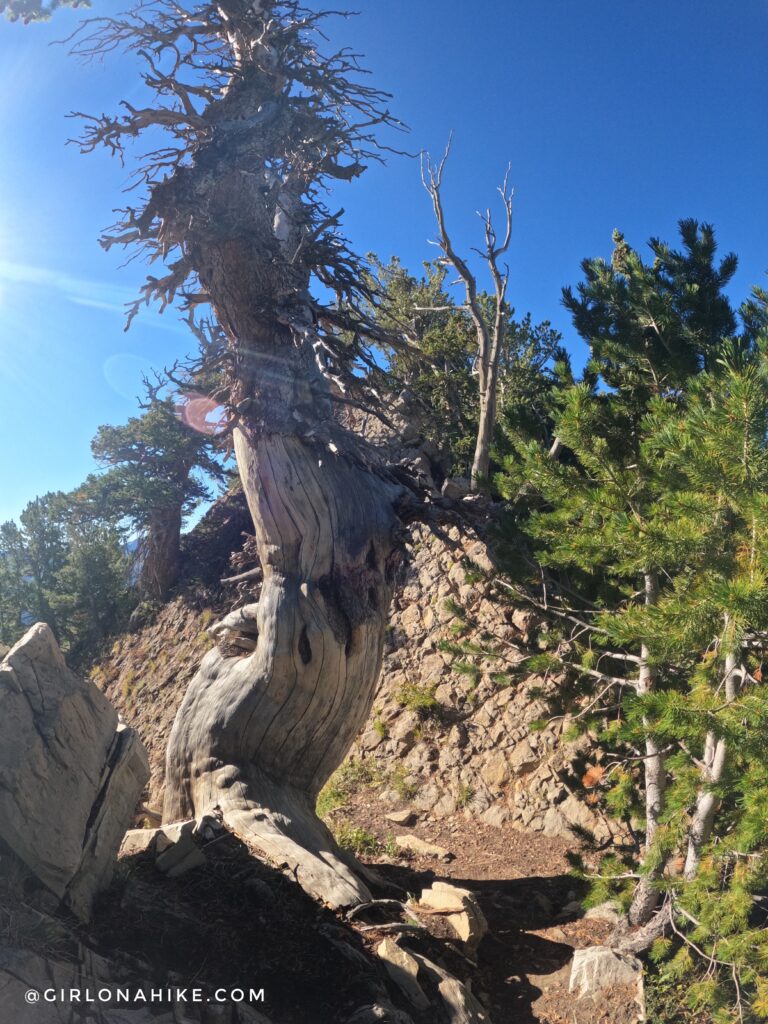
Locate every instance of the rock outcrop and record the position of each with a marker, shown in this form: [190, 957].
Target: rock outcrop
[403, 969]
[462, 912]
[106, 993]
[453, 997]
[463, 733]
[173, 846]
[70, 776]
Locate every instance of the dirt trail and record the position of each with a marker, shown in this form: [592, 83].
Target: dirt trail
[530, 901]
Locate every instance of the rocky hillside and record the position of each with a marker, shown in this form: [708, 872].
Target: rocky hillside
[459, 795]
[113, 925]
[146, 671]
[446, 733]
[457, 731]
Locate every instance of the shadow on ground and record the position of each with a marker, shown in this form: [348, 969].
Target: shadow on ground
[513, 961]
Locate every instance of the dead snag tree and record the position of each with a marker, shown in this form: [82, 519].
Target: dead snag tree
[489, 328]
[257, 122]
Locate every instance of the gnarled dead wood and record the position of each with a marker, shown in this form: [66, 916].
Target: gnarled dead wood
[258, 736]
[490, 336]
[258, 120]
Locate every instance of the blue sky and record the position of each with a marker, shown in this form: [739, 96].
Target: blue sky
[612, 114]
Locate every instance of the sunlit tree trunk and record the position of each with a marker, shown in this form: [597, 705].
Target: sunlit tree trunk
[480, 472]
[713, 766]
[260, 122]
[259, 735]
[646, 896]
[490, 337]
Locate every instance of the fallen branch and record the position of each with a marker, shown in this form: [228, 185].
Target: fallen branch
[249, 575]
[396, 926]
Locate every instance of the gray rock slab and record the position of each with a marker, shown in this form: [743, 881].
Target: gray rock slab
[70, 776]
[600, 967]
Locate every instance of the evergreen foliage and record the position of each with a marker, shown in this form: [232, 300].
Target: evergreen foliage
[56, 568]
[92, 593]
[156, 473]
[13, 582]
[650, 529]
[35, 10]
[70, 561]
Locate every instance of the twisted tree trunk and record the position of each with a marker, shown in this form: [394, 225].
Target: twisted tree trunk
[259, 735]
[260, 123]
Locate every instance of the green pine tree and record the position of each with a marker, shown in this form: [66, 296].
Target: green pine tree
[14, 583]
[92, 592]
[157, 470]
[43, 528]
[650, 528]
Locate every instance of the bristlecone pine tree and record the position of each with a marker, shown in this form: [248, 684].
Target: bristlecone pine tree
[488, 314]
[258, 121]
[657, 513]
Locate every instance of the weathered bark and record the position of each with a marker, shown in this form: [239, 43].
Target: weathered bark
[641, 940]
[266, 122]
[259, 735]
[646, 896]
[161, 553]
[486, 425]
[713, 765]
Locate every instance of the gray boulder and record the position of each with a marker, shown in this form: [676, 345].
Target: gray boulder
[455, 488]
[70, 774]
[98, 984]
[403, 970]
[599, 967]
[603, 974]
[175, 847]
[459, 1004]
[462, 911]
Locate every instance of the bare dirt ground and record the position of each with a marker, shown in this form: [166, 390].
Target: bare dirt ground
[238, 922]
[522, 883]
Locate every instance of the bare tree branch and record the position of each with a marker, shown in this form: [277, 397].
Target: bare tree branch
[490, 338]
